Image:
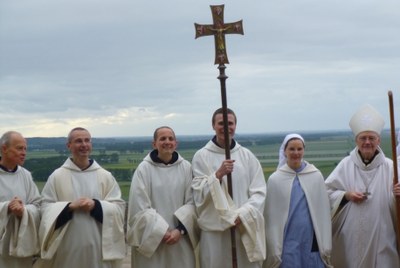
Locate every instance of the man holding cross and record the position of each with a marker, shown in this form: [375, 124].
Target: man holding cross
[217, 212]
[361, 194]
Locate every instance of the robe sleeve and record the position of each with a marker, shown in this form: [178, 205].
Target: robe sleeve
[252, 227]
[65, 215]
[146, 228]
[214, 205]
[336, 189]
[252, 234]
[4, 218]
[24, 231]
[24, 240]
[187, 216]
[113, 208]
[113, 241]
[49, 237]
[97, 211]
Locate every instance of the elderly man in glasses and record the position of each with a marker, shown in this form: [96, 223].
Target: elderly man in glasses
[362, 198]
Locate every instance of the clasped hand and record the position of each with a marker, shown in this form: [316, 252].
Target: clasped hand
[171, 237]
[355, 197]
[16, 207]
[83, 203]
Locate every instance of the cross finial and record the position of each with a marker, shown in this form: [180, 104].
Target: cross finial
[219, 29]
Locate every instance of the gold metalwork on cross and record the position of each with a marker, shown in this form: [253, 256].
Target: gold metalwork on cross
[219, 29]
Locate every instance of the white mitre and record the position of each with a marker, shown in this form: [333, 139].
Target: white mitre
[366, 119]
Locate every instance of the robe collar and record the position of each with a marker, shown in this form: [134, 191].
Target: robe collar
[90, 164]
[233, 143]
[156, 159]
[367, 162]
[305, 168]
[376, 161]
[7, 170]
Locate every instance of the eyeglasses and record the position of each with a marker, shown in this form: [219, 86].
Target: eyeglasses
[370, 138]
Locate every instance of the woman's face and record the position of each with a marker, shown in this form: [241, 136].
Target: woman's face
[294, 152]
[165, 143]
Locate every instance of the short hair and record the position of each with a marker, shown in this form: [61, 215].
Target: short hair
[155, 134]
[6, 138]
[69, 138]
[220, 111]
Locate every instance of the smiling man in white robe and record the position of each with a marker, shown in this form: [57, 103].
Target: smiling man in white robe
[217, 212]
[82, 212]
[19, 205]
[361, 189]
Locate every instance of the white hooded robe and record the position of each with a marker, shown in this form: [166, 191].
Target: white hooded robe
[160, 195]
[363, 234]
[217, 212]
[82, 241]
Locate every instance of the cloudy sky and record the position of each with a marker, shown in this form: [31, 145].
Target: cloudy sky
[125, 67]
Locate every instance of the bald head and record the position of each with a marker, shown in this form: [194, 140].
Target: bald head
[13, 149]
[6, 138]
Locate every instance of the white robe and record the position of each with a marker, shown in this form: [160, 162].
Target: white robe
[277, 203]
[217, 211]
[18, 237]
[363, 234]
[82, 241]
[160, 195]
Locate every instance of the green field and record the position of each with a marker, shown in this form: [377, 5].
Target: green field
[324, 152]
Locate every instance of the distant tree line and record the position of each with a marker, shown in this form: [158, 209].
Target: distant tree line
[41, 168]
[122, 174]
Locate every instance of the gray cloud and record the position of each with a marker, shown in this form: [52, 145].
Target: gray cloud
[122, 68]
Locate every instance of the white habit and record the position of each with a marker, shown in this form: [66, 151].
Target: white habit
[18, 237]
[160, 195]
[82, 241]
[217, 212]
[279, 187]
[363, 234]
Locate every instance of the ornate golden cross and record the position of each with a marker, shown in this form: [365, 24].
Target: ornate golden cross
[219, 29]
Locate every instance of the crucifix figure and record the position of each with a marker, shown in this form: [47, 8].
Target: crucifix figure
[366, 193]
[219, 29]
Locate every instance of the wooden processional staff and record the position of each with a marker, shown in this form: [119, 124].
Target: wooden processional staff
[219, 29]
[395, 169]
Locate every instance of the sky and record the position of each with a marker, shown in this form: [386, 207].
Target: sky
[125, 67]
